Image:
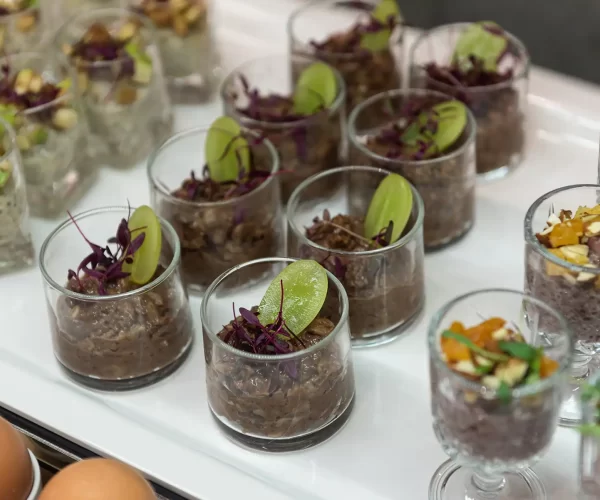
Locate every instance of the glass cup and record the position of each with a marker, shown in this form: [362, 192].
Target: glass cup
[187, 46]
[121, 341]
[571, 289]
[589, 449]
[365, 73]
[385, 286]
[493, 442]
[21, 30]
[499, 109]
[16, 249]
[306, 146]
[127, 115]
[276, 402]
[217, 235]
[447, 183]
[52, 139]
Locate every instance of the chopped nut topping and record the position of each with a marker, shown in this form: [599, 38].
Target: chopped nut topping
[178, 15]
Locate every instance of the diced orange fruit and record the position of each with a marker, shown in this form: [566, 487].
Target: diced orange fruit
[581, 211]
[457, 327]
[547, 367]
[483, 331]
[565, 233]
[454, 350]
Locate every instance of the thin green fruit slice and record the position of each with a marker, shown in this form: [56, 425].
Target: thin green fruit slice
[145, 260]
[481, 43]
[375, 42]
[305, 285]
[226, 151]
[316, 89]
[392, 202]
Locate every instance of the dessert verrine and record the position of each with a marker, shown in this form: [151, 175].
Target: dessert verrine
[16, 249]
[368, 234]
[496, 392]
[120, 319]
[488, 69]
[21, 26]
[38, 99]
[428, 138]
[301, 114]
[120, 80]
[219, 188]
[365, 45]
[185, 40]
[279, 373]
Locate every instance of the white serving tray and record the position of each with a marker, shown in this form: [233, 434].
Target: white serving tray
[387, 451]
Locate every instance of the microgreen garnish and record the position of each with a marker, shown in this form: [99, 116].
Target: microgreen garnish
[389, 210]
[494, 356]
[520, 350]
[504, 392]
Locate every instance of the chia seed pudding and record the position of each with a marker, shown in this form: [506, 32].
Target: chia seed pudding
[275, 400]
[120, 80]
[307, 142]
[366, 51]
[185, 41]
[493, 86]
[21, 26]
[113, 329]
[36, 96]
[16, 250]
[476, 414]
[406, 140]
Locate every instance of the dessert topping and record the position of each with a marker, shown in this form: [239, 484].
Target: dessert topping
[179, 15]
[495, 354]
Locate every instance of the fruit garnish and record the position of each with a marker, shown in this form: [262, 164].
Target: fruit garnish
[390, 206]
[316, 89]
[142, 63]
[145, 260]
[377, 34]
[299, 291]
[484, 41]
[227, 153]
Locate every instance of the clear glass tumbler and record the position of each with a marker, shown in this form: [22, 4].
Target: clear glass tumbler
[306, 146]
[500, 109]
[492, 441]
[52, 139]
[187, 46]
[16, 249]
[119, 341]
[385, 286]
[128, 114]
[446, 183]
[324, 29]
[589, 449]
[571, 289]
[217, 235]
[276, 402]
[21, 29]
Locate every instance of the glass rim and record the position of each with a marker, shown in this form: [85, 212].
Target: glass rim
[352, 133]
[171, 268]
[121, 12]
[477, 88]
[519, 392]
[541, 249]
[400, 242]
[153, 160]
[277, 357]
[339, 56]
[12, 140]
[335, 107]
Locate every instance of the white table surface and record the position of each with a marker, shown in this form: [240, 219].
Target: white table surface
[387, 450]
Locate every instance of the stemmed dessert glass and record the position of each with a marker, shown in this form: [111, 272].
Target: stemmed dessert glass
[572, 290]
[278, 402]
[589, 449]
[493, 442]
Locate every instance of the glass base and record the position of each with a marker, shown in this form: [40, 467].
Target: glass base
[130, 383]
[445, 243]
[570, 411]
[285, 445]
[454, 482]
[388, 335]
[16, 255]
[502, 171]
[192, 89]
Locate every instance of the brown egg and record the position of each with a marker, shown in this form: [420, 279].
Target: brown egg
[16, 474]
[98, 479]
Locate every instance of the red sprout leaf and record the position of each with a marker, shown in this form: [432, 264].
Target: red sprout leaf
[249, 316]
